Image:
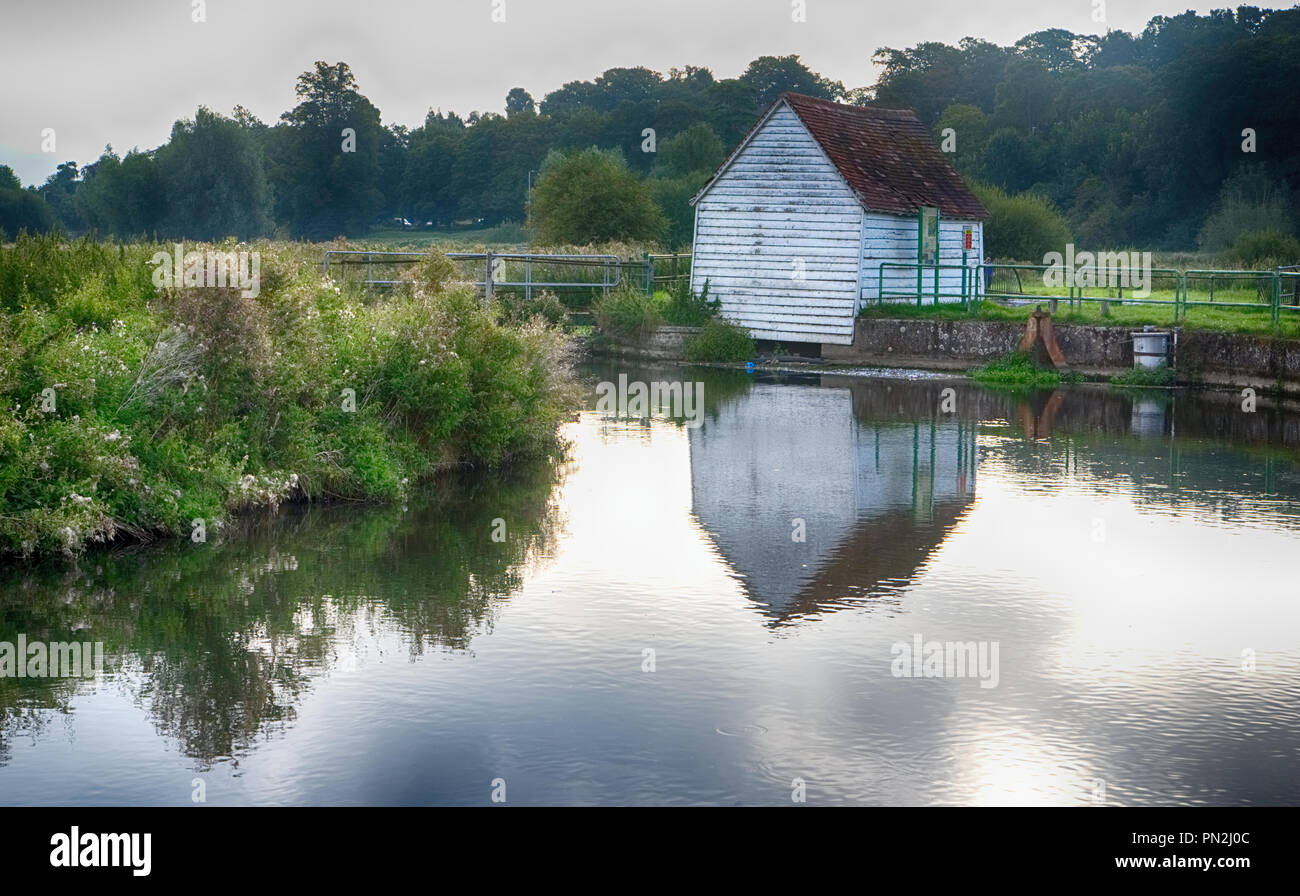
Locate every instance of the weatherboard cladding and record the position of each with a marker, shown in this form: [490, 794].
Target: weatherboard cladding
[777, 238]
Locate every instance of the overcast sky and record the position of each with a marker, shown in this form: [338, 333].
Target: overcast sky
[121, 72]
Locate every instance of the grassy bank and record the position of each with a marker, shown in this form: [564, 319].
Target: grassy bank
[1017, 371]
[131, 412]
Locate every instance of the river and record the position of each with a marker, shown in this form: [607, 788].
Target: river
[743, 611]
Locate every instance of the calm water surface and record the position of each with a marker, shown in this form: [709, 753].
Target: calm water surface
[650, 632]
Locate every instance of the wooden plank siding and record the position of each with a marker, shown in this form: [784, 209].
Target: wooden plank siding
[892, 238]
[778, 236]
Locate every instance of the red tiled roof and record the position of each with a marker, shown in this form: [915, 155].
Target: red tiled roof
[887, 157]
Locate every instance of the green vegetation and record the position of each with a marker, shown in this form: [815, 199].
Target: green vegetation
[1016, 371]
[719, 341]
[1023, 226]
[1145, 377]
[1135, 137]
[683, 165]
[21, 209]
[544, 304]
[1124, 133]
[685, 308]
[1251, 221]
[627, 313]
[1262, 249]
[131, 412]
[592, 196]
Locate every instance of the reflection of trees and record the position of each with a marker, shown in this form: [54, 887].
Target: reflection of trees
[220, 641]
[721, 385]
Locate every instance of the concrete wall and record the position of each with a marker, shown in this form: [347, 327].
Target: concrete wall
[958, 345]
[666, 344]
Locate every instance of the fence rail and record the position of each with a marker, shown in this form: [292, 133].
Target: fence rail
[570, 276]
[530, 271]
[1262, 291]
[577, 278]
[387, 261]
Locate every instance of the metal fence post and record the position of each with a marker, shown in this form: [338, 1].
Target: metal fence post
[487, 279]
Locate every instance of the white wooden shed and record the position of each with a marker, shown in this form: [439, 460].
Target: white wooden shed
[790, 232]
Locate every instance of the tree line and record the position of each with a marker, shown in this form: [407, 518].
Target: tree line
[1178, 137]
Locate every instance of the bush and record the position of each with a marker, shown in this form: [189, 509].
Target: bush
[627, 313]
[591, 196]
[1263, 249]
[433, 272]
[38, 268]
[197, 402]
[1250, 202]
[1024, 227]
[686, 309]
[544, 304]
[720, 341]
[673, 197]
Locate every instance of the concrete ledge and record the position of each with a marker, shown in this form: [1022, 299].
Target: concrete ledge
[668, 343]
[1202, 356]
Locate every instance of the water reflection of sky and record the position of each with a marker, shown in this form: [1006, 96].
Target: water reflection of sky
[1120, 641]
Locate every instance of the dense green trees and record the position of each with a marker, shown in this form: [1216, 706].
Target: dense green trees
[330, 167]
[684, 163]
[214, 174]
[326, 157]
[21, 209]
[1138, 140]
[1132, 136]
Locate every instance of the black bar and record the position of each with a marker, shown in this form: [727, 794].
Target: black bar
[300, 845]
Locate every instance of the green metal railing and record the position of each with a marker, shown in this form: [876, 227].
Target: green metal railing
[1075, 294]
[967, 289]
[1262, 285]
[1288, 290]
[1262, 291]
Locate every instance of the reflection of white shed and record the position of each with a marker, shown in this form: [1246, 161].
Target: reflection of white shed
[791, 230]
[875, 498]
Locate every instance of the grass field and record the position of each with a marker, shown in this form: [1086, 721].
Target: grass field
[507, 234]
[1228, 320]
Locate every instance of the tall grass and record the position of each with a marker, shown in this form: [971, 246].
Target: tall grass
[628, 314]
[190, 404]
